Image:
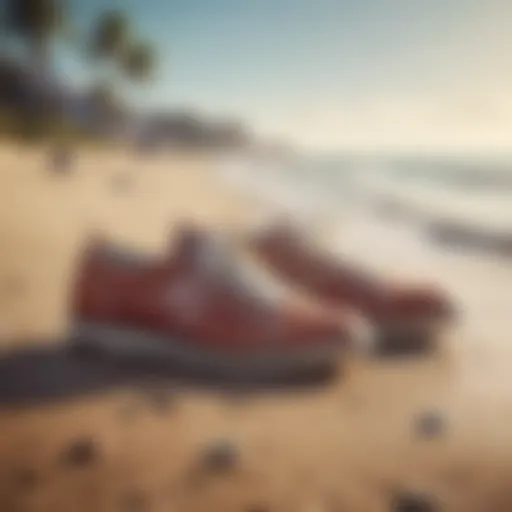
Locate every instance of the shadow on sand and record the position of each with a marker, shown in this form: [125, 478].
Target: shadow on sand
[52, 374]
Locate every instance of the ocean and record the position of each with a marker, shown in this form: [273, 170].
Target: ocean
[472, 195]
[443, 221]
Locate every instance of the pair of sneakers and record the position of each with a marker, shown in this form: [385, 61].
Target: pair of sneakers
[207, 309]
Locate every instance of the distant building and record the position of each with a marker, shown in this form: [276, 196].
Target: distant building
[186, 130]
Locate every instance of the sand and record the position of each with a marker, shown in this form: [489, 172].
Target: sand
[435, 427]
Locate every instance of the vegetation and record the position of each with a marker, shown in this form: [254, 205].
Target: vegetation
[114, 54]
[35, 23]
[117, 57]
[139, 62]
[110, 36]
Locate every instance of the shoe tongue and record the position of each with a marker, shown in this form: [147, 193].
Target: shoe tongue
[211, 257]
[205, 253]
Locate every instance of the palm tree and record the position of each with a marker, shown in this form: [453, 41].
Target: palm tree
[36, 23]
[110, 37]
[113, 49]
[139, 62]
[116, 56]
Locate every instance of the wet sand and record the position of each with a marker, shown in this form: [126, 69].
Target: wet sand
[385, 435]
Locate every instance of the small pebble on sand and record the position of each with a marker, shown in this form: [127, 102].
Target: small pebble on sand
[26, 479]
[221, 455]
[81, 452]
[430, 424]
[257, 507]
[62, 159]
[414, 503]
[122, 182]
[135, 501]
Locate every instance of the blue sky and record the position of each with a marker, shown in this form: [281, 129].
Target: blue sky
[333, 73]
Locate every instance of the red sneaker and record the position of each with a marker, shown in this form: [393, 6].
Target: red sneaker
[198, 308]
[406, 317]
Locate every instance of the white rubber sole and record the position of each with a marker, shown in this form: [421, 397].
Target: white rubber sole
[115, 341]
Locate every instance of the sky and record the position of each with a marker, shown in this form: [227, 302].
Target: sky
[332, 74]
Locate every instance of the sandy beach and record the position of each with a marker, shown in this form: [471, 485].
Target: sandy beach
[386, 435]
